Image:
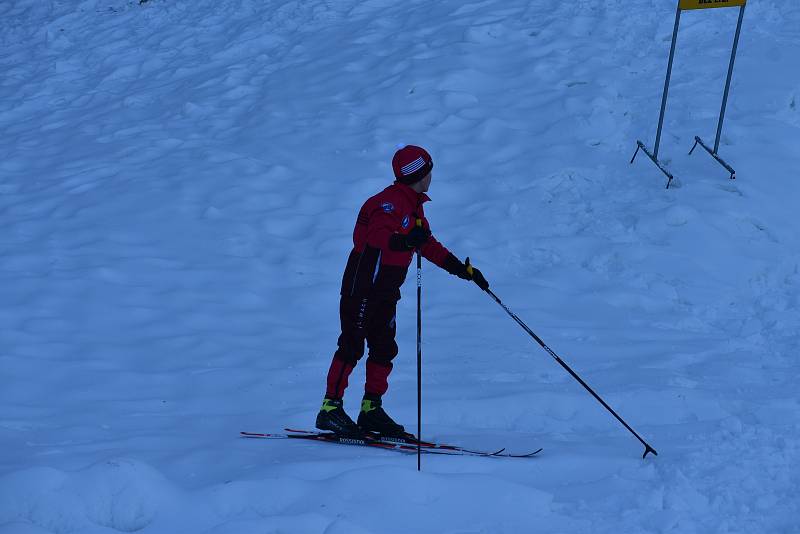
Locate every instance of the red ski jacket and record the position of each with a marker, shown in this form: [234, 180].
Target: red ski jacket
[373, 268]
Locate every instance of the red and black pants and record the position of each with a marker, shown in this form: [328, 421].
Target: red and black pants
[370, 320]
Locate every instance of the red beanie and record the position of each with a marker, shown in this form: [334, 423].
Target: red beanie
[411, 164]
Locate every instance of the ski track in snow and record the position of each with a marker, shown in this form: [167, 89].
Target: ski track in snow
[178, 185]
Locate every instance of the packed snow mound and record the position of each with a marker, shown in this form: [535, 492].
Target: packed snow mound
[118, 495]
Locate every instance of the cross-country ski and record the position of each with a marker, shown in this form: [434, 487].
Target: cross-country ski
[400, 444]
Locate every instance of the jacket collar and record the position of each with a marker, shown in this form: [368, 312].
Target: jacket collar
[415, 198]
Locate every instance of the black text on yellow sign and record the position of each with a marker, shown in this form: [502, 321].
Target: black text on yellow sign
[704, 4]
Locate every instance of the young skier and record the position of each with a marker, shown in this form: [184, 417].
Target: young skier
[390, 227]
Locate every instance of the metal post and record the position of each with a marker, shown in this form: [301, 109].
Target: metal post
[666, 82]
[728, 82]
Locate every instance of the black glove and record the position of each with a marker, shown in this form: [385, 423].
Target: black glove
[465, 271]
[417, 237]
[477, 276]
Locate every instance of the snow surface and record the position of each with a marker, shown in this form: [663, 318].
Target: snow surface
[178, 185]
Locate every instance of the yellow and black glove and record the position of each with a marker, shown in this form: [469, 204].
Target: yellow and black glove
[477, 276]
[465, 271]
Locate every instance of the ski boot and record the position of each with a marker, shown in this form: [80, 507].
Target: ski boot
[333, 417]
[374, 419]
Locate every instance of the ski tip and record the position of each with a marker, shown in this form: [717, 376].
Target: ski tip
[529, 455]
[501, 454]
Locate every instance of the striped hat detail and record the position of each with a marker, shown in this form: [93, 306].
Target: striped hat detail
[411, 164]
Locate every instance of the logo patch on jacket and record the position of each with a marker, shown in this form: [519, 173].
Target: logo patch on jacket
[405, 221]
[388, 207]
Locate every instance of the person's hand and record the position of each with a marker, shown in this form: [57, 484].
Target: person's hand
[465, 271]
[414, 239]
[454, 266]
[417, 237]
[476, 276]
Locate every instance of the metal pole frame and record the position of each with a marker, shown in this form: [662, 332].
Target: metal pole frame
[639, 144]
[667, 80]
[730, 75]
[714, 153]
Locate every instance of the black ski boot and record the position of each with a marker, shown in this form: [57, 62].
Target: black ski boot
[333, 417]
[374, 419]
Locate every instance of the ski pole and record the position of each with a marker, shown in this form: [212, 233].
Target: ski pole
[648, 448]
[419, 355]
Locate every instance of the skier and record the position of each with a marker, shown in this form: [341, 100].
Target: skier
[390, 227]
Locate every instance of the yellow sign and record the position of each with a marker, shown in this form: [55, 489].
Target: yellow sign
[705, 4]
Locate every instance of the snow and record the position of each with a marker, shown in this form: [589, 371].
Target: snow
[178, 186]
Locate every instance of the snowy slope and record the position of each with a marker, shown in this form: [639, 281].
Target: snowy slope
[178, 186]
